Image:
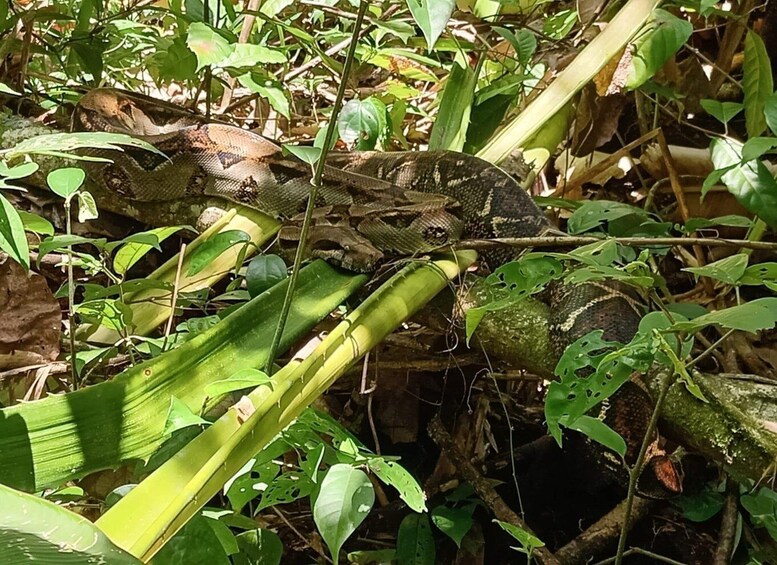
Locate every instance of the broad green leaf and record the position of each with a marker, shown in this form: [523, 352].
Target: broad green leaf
[728, 270]
[12, 238]
[65, 182]
[62, 241]
[762, 507]
[757, 146]
[247, 55]
[210, 47]
[373, 557]
[600, 432]
[36, 530]
[721, 111]
[759, 314]
[269, 89]
[196, 544]
[112, 314]
[87, 207]
[453, 522]
[271, 8]
[264, 272]
[667, 33]
[751, 183]
[450, 127]
[757, 83]
[16, 172]
[309, 155]
[134, 250]
[178, 62]
[431, 16]
[528, 541]
[5, 89]
[394, 474]
[36, 224]
[701, 506]
[363, 123]
[343, 502]
[180, 416]
[258, 547]
[245, 378]
[64, 144]
[415, 543]
[523, 41]
[215, 246]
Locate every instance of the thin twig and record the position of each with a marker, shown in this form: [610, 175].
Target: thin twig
[578, 240]
[316, 182]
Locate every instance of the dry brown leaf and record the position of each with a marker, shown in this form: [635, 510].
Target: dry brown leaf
[30, 318]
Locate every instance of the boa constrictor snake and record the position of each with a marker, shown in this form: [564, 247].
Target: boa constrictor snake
[370, 206]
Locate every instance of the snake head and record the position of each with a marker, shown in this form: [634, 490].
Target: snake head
[105, 109]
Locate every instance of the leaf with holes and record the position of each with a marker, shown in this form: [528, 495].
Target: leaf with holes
[392, 473]
[286, 488]
[728, 270]
[415, 543]
[250, 482]
[363, 123]
[344, 499]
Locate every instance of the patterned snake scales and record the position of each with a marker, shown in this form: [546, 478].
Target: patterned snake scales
[370, 206]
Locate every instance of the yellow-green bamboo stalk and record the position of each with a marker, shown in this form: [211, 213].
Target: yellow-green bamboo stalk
[157, 508]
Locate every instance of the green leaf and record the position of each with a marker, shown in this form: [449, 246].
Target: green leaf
[178, 62]
[215, 246]
[12, 238]
[243, 379]
[453, 522]
[258, 547]
[264, 272]
[770, 112]
[197, 543]
[450, 126]
[269, 89]
[734, 221]
[87, 207]
[36, 530]
[250, 482]
[180, 416]
[272, 8]
[133, 250]
[751, 183]
[62, 241]
[432, 17]
[762, 508]
[523, 41]
[600, 432]
[595, 213]
[309, 155]
[343, 502]
[759, 314]
[362, 122]
[755, 147]
[721, 111]
[65, 182]
[112, 314]
[701, 506]
[560, 24]
[394, 474]
[36, 224]
[285, 489]
[666, 35]
[248, 55]
[728, 270]
[415, 544]
[5, 89]
[210, 47]
[757, 83]
[64, 144]
[16, 172]
[528, 541]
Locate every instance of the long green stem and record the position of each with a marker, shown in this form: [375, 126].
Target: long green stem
[315, 183]
[71, 299]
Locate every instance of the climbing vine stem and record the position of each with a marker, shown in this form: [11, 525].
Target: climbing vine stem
[315, 183]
